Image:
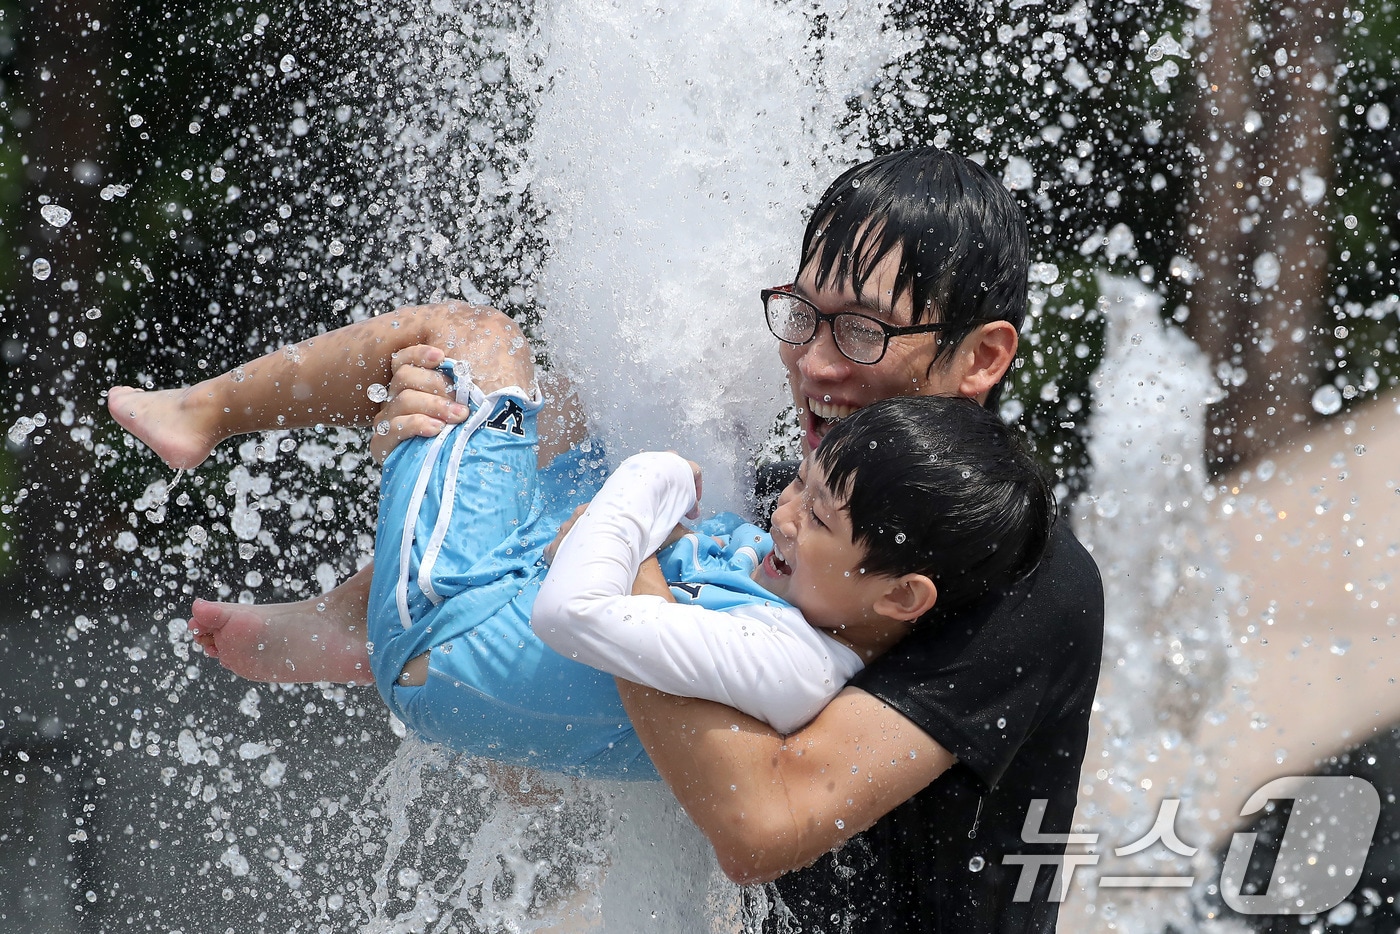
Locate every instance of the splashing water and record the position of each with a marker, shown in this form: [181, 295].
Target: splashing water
[56, 214]
[655, 239]
[1166, 632]
[622, 179]
[660, 236]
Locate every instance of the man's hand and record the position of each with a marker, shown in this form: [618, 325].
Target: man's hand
[421, 402]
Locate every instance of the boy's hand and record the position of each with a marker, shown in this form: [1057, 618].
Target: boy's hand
[552, 548]
[421, 402]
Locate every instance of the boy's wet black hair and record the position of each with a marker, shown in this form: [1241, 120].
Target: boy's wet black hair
[962, 240]
[937, 485]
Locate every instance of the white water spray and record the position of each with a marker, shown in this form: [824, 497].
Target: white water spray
[1166, 632]
[677, 149]
[650, 166]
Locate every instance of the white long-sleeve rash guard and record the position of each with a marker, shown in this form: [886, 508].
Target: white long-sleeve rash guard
[759, 657]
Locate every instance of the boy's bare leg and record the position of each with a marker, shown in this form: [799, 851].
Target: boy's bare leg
[323, 380]
[322, 639]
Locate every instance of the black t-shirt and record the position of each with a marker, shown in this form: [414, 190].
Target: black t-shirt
[1006, 687]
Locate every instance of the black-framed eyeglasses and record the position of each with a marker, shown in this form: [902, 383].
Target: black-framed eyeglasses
[860, 338]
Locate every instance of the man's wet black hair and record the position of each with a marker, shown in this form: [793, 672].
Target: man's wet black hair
[938, 485]
[962, 239]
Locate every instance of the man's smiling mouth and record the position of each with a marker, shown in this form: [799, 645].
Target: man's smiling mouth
[829, 412]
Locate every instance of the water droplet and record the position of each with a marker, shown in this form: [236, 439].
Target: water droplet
[1266, 270]
[336, 248]
[377, 392]
[197, 534]
[41, 268]
[1340, 646]
[21, 429]
[976, 864]
[1327, 400]
[1350, 221]
[79, 339]
[135, 120]
[1341, 916]
[1018, 175]
[56, 214]
[92, 314]
[840, 824]
[1001, 723]
[288, 64]
[216, 174]
[900, 538]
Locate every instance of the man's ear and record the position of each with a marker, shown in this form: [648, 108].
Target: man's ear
[908, 597]
[984, 357]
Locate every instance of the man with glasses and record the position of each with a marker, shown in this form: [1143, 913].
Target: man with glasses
[945, 772]
[948, 767]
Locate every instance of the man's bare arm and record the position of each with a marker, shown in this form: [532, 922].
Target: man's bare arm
[767, 803]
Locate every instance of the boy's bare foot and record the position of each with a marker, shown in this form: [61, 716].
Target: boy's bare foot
[283, 642]
[168, 421]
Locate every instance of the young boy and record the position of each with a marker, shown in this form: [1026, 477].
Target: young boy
[909, 503]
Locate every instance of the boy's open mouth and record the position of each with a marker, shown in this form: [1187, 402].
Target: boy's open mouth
[776, 565]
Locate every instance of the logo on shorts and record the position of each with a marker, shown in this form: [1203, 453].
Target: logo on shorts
[510, 419]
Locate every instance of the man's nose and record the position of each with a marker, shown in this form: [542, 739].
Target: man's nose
[820, 358]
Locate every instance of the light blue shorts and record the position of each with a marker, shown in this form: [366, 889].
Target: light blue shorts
[463, 521]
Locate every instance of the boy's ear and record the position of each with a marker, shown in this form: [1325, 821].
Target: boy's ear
[909, 597]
